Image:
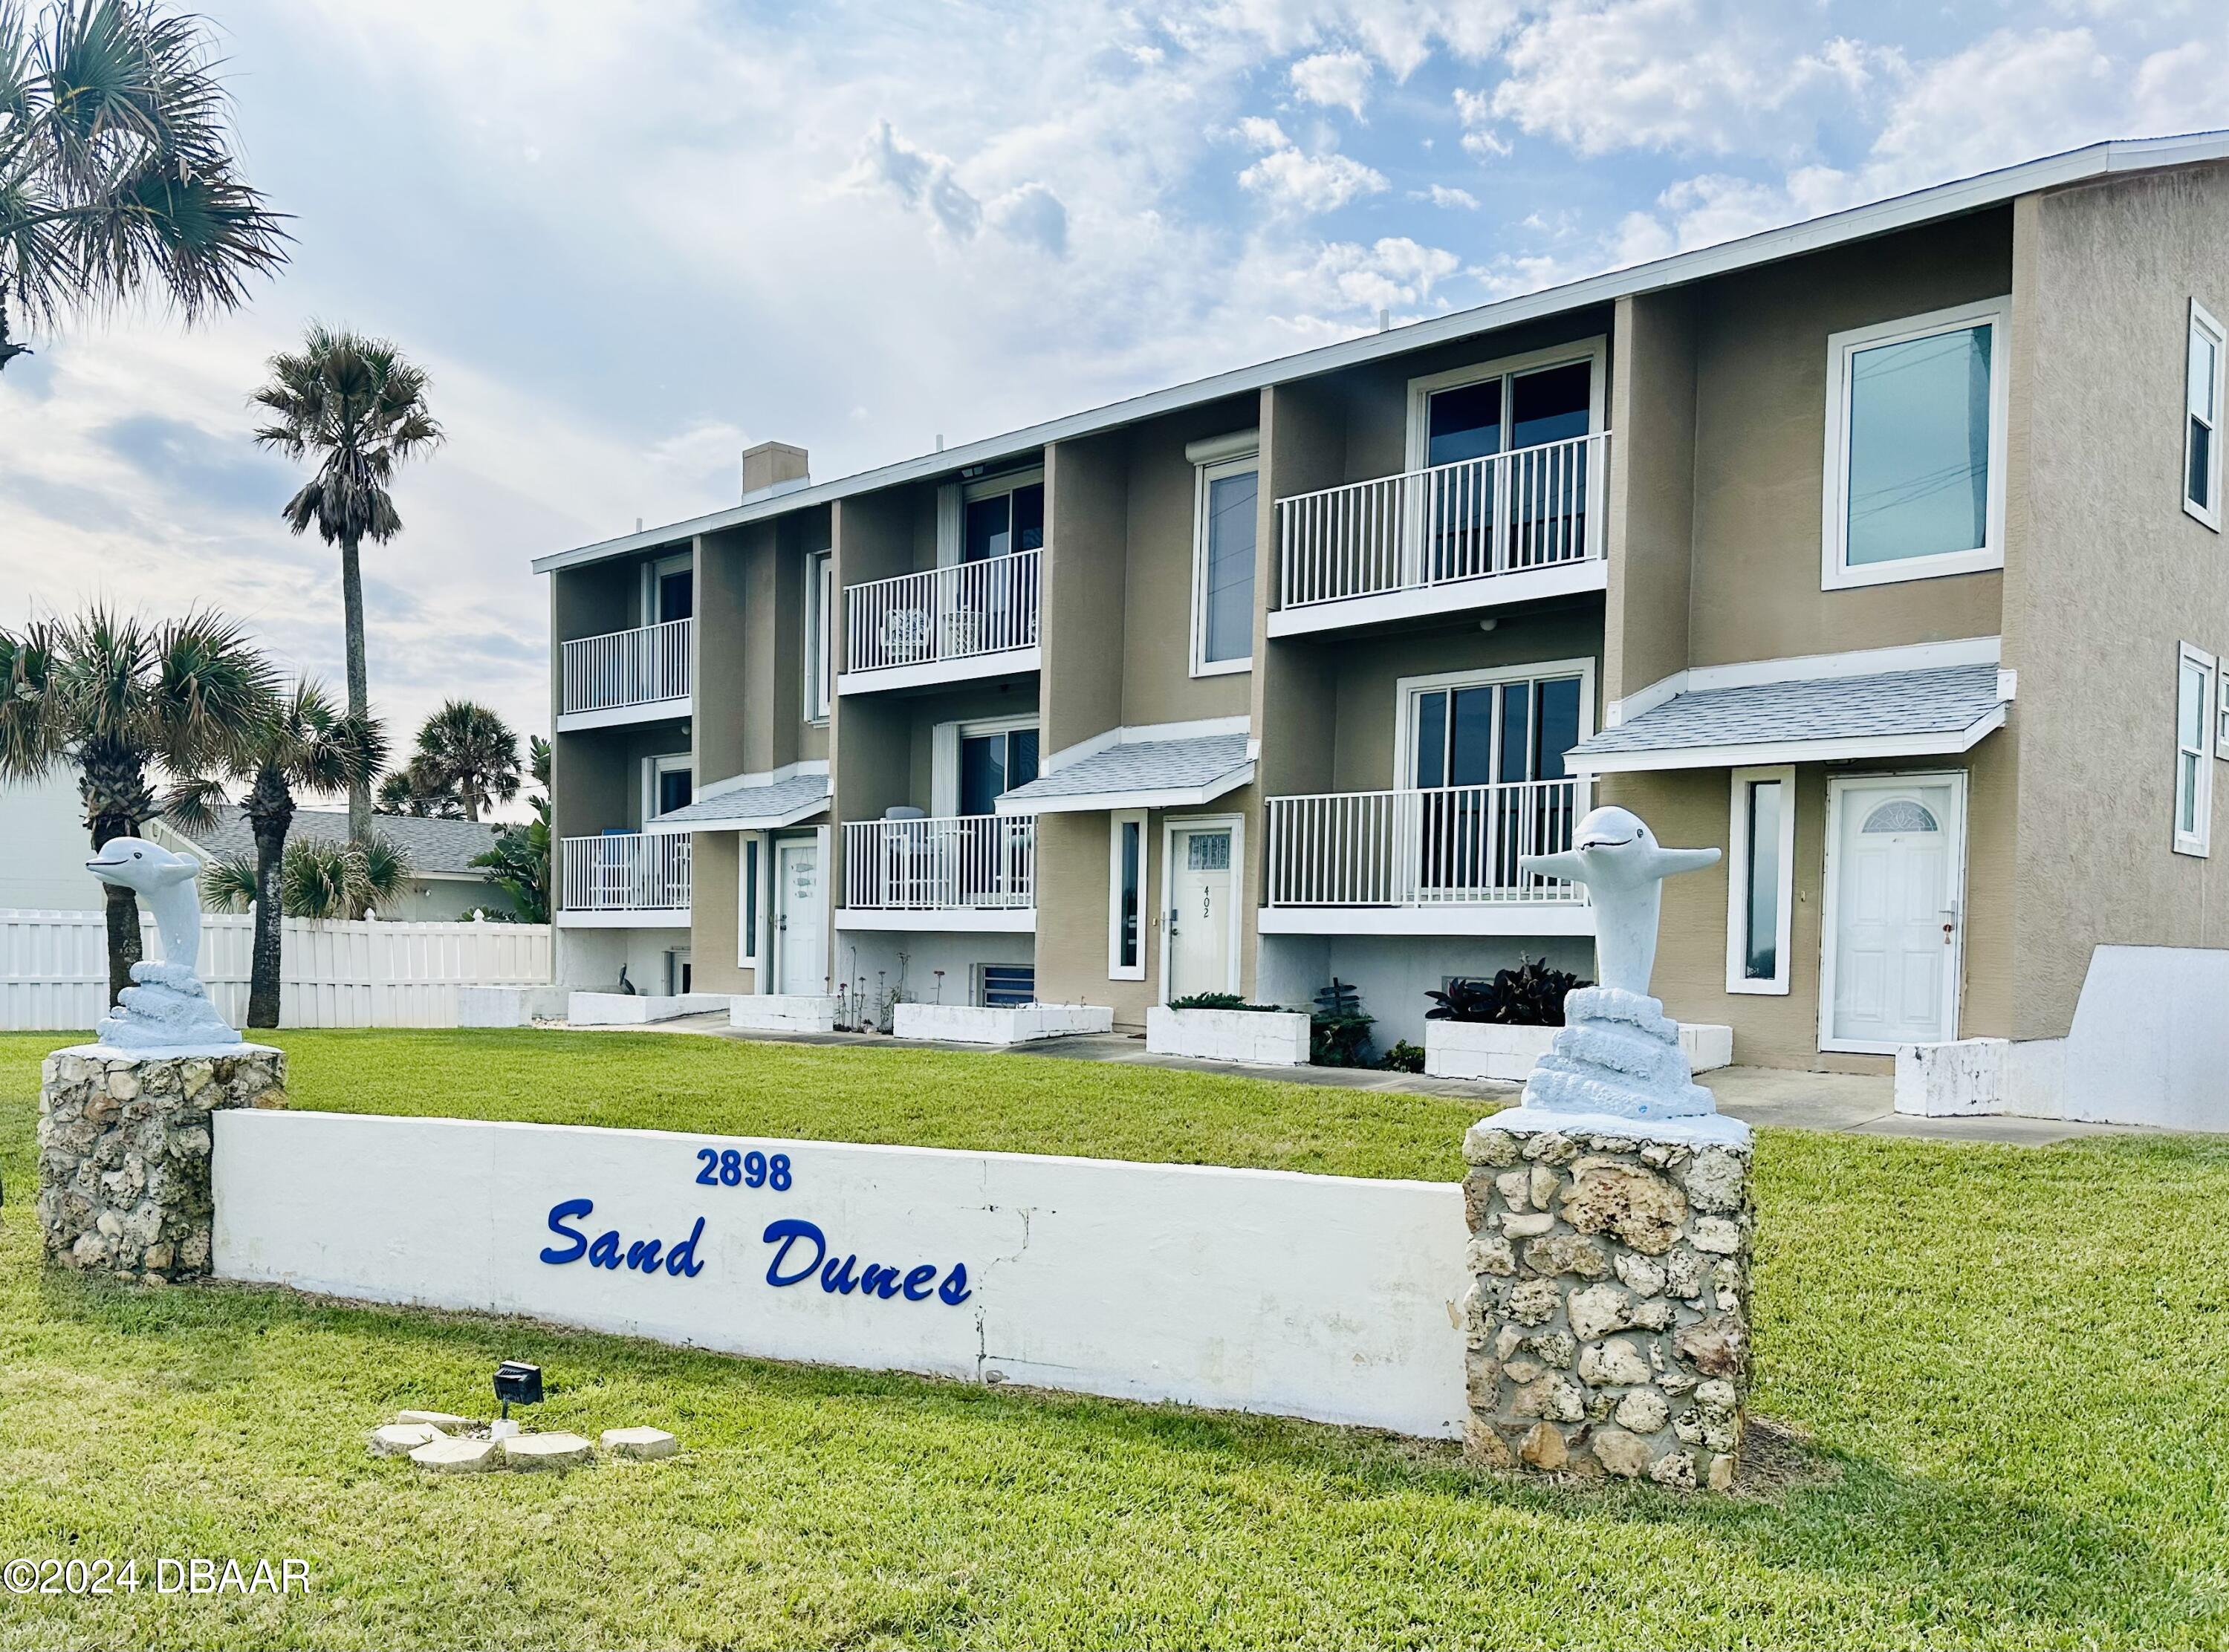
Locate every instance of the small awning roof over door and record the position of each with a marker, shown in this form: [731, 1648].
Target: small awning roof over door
[1139, 774]
[749, 808]
[1930, 713]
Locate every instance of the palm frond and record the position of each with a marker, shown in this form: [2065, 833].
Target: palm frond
[193, 804]
[228, 883]
[358, 407]
[33, 733]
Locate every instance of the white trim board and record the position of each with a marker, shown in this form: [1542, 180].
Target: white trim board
[1807, 667]
[1455, 918]
[1855, 748]
[1856, 223]
[659, 918]
[650, 711]
[1451, 597]
[947, 920]
[1007, 662]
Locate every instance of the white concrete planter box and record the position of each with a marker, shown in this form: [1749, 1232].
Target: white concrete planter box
[1460, 1049]
[1011, 1024]
[508, 1006]
[1251, 1037]
[783, 1012]
[620, 1010]
[1953, 1080]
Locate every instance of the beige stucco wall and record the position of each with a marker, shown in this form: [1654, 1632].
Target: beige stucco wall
[2109, 575]
[1760, 449]
[712, 910]
[1650, 529]
[1086, 572]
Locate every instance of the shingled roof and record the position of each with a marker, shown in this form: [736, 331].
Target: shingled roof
[436, 847]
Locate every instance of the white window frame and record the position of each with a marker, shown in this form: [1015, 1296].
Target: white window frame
[1213, 459]
[653, 768]
[2200, 842]
[1738, 858]
[653, 573]
[747, 845]
[2203, 326]
[1594, 351]
[1171, 825]
[819, 634]
[1406, 690]
[944, 755]
[1834, 572]
[1116, 820]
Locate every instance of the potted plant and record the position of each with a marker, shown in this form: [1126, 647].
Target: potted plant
[1223, 1027]
[1496, 1029]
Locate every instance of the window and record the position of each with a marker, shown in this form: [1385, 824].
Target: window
[668, 590]
[747, 902]
[1495, 727]
[1000, 518]
[819, 636]
[1761, 878]
[2201, 437]
[1002, 985]
[1228, 491]
[669, 783]
[2193, 775]
[992, 764]
[1915, 448]
[1126, 885]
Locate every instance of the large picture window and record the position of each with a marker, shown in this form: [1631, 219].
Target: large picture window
[1760, 879]
[1915, 447]
[1224, 540]
[2201, 425]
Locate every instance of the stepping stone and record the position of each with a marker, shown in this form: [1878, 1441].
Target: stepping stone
[400, 1439]
[446, 1456]
[547, 1451]
[641, 1444]
[439, 1419]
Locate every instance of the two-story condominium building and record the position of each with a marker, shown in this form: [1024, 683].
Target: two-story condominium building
[1883, 551]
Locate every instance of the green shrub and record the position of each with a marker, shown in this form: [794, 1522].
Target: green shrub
[1531, 995]
[1338, 1033]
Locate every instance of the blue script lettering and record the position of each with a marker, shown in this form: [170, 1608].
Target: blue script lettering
[837, 1277]
[609, 1250]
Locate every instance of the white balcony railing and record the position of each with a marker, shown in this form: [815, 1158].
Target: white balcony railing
[960, 862]
[948, 613]
[1530, 508]
[1456, 844]
[632, 668]
[624, 872]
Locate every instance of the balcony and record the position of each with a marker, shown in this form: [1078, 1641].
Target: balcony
[1513, 527]
[623, 879]
[629, 676]
[973, 620]
[965, 872]
[1442, 861]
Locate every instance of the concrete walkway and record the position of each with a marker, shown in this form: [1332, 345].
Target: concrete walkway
[1859, 1104]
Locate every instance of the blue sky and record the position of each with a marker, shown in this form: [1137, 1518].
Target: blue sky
[630, 237]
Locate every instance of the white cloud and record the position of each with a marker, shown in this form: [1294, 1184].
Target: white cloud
[1441, 194]
[1394, 271]
[1475, 110]
[1311, 183]
[920, 178]
[1333, 79]
[1033, 214]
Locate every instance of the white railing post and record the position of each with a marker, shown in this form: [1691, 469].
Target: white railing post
[625, 872]
[955, 863]
[948, 614]
[1431, 846]
[640, 667]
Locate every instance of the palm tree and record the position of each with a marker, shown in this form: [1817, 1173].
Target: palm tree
[118, 699]
[117, 173]
[316, 879]
[356, 406]
[416, 790]
[472, 752]
[518, 860]
[300, 740]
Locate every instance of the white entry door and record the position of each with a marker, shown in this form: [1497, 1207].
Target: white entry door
[1893, 924]
[1202, 891]
[797, 965]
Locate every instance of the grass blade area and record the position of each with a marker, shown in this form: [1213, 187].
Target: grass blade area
[2011, 1364]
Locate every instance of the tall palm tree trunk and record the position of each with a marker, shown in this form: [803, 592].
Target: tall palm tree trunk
[123, 911]
[112, 783]
[270, 809]
[359, 690]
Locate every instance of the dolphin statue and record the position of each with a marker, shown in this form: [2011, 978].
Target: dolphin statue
[1618, 859]
[165, 882]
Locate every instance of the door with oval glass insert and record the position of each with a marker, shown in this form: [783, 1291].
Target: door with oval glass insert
[1893, 927]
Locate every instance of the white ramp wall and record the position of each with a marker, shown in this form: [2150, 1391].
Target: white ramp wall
[1323, 1296]
[54, 968]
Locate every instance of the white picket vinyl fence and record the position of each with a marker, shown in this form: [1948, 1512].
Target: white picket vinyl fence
[54, 968]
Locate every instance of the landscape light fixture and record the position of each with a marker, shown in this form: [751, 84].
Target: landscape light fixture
[514, 1381]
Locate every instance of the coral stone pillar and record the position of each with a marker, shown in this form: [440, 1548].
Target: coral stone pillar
[124, 1152]
[1607, 1329]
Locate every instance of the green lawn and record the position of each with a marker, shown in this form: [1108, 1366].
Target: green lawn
[2012, 1364]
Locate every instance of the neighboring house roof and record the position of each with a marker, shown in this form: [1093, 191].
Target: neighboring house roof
[1892, 713]
[437, 848]
[1858, 223]
[1139, 774]
[749, 808]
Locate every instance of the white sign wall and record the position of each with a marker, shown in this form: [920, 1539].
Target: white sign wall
[1329, 1297]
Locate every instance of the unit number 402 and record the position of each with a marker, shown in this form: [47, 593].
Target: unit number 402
[751, 1170]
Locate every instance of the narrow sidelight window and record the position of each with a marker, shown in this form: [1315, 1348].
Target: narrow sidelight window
[746, 919]
[1126, 883]
[2202, 439]
[2194, 774]
[819, 635]
[1760, 879]
[1915, 433]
